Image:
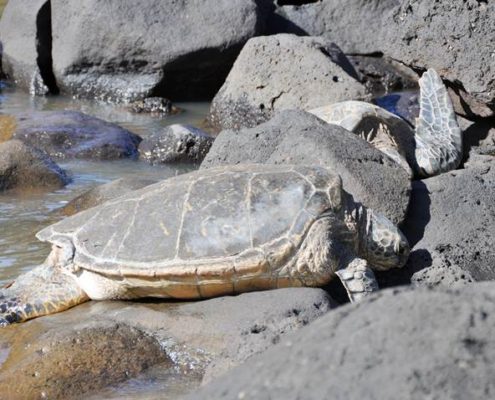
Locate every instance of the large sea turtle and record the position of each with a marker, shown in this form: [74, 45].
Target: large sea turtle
[212, 232]
[435, 146]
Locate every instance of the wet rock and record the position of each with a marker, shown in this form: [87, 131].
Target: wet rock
[297, 137]
[72, 134]
[102, 193]
[451, 228]
[166, 50]
[24, 167]
[280, 72]
[412, 344]
[383, 75]
[68, 361]
[175, 143]
[8, 124]
[154, 106]
[25, 31]
[99, 341]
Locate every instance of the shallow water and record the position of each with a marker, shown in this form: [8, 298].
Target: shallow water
[23, 214]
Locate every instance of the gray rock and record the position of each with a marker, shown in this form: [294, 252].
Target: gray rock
[25, 32]
[409, 345]
[91, 346]
[280, 72]
[455, 37]
[478, 136]
[102, 193]
[351, 24]
[451, 228]
[24, 167]
[125, 51]
[72, 134]
[297, 137]
[175, 143]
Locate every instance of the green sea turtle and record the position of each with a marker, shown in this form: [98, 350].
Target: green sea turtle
[212, 232]
[435, 146]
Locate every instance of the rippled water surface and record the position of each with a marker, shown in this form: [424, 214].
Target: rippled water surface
[23, 214]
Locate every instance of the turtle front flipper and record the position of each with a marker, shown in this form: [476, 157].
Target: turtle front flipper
[44, 290]
[358, 279]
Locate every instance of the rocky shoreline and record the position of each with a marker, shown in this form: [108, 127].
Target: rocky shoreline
[273, 70]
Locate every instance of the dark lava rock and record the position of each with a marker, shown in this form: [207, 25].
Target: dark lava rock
[410, 345]
[25, 32]
[175, 143]
[454, 37]
[24, 167]
[100, 343]
[279, 72]
[102, 193]
[71, 134]
[297, 137]
[154, 106]
[451, 229]
[125, 51]
[383, 75]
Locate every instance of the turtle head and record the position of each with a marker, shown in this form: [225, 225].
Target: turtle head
[381, 243]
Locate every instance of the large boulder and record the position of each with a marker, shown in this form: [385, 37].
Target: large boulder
[72, 134]
[420, 344]
[175, 143]
[127, 50]
[280, 72]
[297, 137]
[99, 344]
[24, 167]
[25, 34]
[451, 228]
[454, 37]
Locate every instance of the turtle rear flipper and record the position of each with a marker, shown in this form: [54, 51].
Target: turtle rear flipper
[438, 136]
[44, 290]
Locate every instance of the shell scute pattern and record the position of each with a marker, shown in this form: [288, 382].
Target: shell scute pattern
[185, 223]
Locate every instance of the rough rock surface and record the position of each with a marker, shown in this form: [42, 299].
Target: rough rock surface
[175, 50]
[71, 134]
[279, 72]
[352, 24]
[25, 34]
[24, 167]
[102, 193]
[297, 137]
[451, 228]
[412, 344]
[97, 342]
[453, 37]
[175, 143]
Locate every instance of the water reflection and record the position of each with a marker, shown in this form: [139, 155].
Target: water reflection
[22, 214]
